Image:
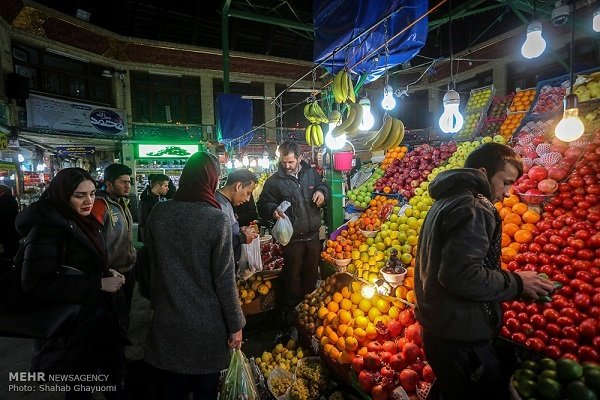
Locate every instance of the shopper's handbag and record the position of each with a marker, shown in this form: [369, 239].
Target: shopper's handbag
[26, 317]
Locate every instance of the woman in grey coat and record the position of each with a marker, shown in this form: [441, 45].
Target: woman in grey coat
[197, 316]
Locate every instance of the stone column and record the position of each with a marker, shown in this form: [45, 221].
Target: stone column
[499, 78]
[207, 100]
[270, 112]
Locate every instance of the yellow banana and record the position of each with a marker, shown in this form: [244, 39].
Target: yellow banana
[351, 95]
[343, 127]
[382, 134]
[307, 111]
[315, 137]
[337, 87]
[344, 83]
[393, 136]
[319, 113]
[400, 136]
[317, 133]
[353, 128]
[307, 134]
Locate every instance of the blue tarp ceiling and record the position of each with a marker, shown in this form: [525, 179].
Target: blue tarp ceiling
[234, 119]
[337, 22]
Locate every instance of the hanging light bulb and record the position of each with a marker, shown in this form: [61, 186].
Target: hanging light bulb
[229, 164]
[277, 152]
[237, 164]
[20, 158]
[570, 127]
[367, 291]
[367, 117]
[451, 120]
[388, 103]
[254, 163]
[596, 21]
[334, 143]
[245, 161]
[535, 44]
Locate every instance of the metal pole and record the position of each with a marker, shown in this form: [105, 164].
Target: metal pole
[225, 42]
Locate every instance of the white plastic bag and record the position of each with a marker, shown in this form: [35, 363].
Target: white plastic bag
[283, 230]
[250, 260]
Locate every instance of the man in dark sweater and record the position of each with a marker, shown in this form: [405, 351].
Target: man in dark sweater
[458, 280]
[298, 183]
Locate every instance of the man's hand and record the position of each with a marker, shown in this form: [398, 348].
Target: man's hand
[235, 341]
[534, 285]
[250, 234]
[277, 214]
[318, 198]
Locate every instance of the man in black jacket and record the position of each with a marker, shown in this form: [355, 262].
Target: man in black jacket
[154, 193]
[296, 182]
[458, 280]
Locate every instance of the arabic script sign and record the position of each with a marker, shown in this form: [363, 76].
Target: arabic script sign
[75, 150]
[60, 115]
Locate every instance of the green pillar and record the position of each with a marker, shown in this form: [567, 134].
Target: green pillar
[225, 43]
[335, 207]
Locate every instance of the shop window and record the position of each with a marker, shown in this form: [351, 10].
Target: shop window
[155, 98]
[60, 76]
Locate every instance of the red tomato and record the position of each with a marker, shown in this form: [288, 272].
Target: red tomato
[552, 351]
[535, 344]
[582, 301]
[568, 345]
[554, 330]
[518, 337]
[588, 353]
[538, 321]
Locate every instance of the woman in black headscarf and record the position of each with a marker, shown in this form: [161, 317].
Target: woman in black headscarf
[65, 262]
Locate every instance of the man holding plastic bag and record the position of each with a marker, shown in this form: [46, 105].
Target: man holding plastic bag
[237, 191]
[297, 183]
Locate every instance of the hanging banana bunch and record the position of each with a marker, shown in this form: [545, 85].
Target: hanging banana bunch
[352, 122]
[315, 115]
[343, 89]
[389, 135]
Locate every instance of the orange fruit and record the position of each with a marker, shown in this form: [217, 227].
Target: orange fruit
[341, 329]
[360, 334]
[410, 296]
[410, 271]
[505, 240]
[357, 312]
[382, 305]
[509, 229]
[362, 351]
[337, 297]
[504, 212]
[322, 313]
[530, 227]
[394, 312]
[346, 304]
[325, 341]
[516, 246]
[523, 236]
[512, 218]
[409, 282]
[355, 298]
[531, 217]
[508, 254]
[374, 313]
[361, 322]
[510, 200]
[346, 292]
[319, 331]
[519, 208]
[341, 343]
[351, 343]
[333, 306]
[346, 357]
[344, 316]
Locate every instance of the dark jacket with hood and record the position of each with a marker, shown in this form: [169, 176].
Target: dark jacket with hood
[458, 281]
[53, 241]
[303, 213]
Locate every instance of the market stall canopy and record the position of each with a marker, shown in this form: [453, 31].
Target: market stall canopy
[338, 22]
[234, 119]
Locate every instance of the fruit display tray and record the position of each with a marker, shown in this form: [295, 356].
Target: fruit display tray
[549, 97]
[499, 107]
[469, 131]
[491, 126]
[480, 92]
[587, 85]
[516, 108]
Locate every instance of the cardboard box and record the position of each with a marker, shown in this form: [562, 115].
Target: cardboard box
[260, 304]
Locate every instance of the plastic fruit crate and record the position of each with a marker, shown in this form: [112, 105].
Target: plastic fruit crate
[522, 100]
[480, 98]
[499, 107]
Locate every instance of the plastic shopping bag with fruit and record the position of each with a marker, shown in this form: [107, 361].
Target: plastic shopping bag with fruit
[283, 229]
[239, 380]
[250, 260]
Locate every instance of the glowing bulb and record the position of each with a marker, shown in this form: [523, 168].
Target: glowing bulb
[264, 162]
[229, 164]
[237, 164]
[277, 152]
[535, 44]
[21, 158]
[334, 143]
[451, 120]
[570, 127]
[388, 102]
[245, 161]
[367, 291]
[41, 167]
[596, 21]
[253, 163]
[367, 117]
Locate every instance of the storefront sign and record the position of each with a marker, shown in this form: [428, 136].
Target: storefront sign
[60, 115]
[166, 150]
[75, 150]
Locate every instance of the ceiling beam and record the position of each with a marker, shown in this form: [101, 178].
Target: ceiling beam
[456, 13]
[271, 20]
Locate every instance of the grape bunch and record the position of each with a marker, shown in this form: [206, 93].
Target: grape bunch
[299, 390]
[280, 385]
[312, 376]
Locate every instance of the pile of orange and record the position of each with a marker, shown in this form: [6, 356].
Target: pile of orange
[510, 124]
[370, 219]
[397, 152]
[522, 100]
[406, 291]
[518, 226]
[347, 322]
[341, 248]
